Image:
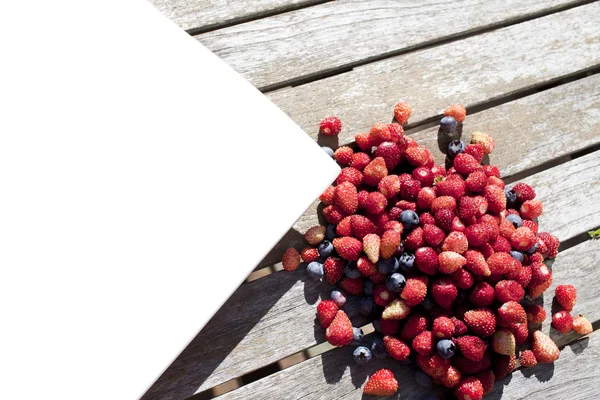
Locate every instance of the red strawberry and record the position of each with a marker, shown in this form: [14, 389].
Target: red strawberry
[456, 111]
[379, 133]
[438, 171]
[375, 171]
[434, 366]
[443, 328]
[382, 295]
[460, 328]
[494, 181]
[378, 277]
[562, 321]
[363, 141]
[444, 292]
[501, 263]
[396, 131]
[376, 203]
[491, 170]
[482, 294]
[334, 269]
[504, 365]
[330, 126]
[381, 383]
[527, 359]
[390, 152]
[486, 141]
[346, 197]
[362, 226]
[447, 202]
[397, 310]
[469, 389]
[333, 214]
[476, 181]
[501, 245]
[390, 240]
[396, 348]
[476, 150]
[462, 279]
[544, 349]
[326, 312]
[456, 242]
[450, 262]
[352, 286]
[487, 380]
[327, 196]
[453, 187]
[432, 235]
[541, 279]
[371, 244]
[506, 228]
[523, 239]
[423, 175]
[535, 314]
[425, 198]
[471, 347]
[524, 276]
[503, 342]
[348, 248]
[402, 112]
[309, 254]
[531, 209]
[443, 219]
[451, 378]
[360, 160]
[417, 156]
[465, 164]
[291, 259]
[409, 189]
[362, 199]
[366, 267]
[426, 218]
[566, 295]
[524, 192]
[414, 325]
[423, 343]
[481, 321]
[351, 175]
[512, 312]
[389, 186]
[389, 326]
[521, 332]
[414, 240]
[582, 326]
[531, 225]
[508, 290]
[414, 291]
[344, 228]
[426, 260]
[467, 366]
[495, 197]
[340, 332]
[315, 235]
[343, 155]
[476, 263]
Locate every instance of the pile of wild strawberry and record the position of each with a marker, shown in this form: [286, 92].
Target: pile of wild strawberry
[442, 259]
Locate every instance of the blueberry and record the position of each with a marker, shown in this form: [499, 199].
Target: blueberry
[325, 248]
[362, 355]
[358, 336]
[455, 147]
[378, 349]
[533, 249]
[368, 287]
[409, 218]
[328, 150]
[377, 326]
[387, 266]
[338, 298]
[446, 348]
[423, 379]
[428, 303]
[330, 232]
[315, 270]
[517, 255]
[351, 271]
[407, 262]
[395, 282]
[511, 196]
[515, 220]
[448, 124]
[367, 306]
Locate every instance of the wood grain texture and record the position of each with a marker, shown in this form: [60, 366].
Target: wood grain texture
[470, 71]
[334, 375]
[314, 40]
[203, 14]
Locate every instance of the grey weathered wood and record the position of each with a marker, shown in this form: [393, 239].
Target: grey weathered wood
[470, 71]
[192, 15]
[334, 375]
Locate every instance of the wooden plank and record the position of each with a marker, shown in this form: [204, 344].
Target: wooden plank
[311, 41]
[470, 71]
[334, 375]
[241, 335]
[194, 15]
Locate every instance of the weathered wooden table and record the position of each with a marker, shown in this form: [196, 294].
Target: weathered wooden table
[527, 72]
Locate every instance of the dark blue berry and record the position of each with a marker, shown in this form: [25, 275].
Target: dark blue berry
[330, 232]
[455, 147]
[423, 379]
[407, 262]
[368, 286]
[387, 266]
[378, 349]
[517, 255]
[428, 303]
[511, 196]
[338, 298]
[358, 336]
[448, 124]
[377, 326]
[325, 248]
[515, 220]
[351, 271]
[367, 306]
[533, 249]
[446, 348]
[315, 270]
[328, 150]
[409, 218]
[362, 355]
[395, 282]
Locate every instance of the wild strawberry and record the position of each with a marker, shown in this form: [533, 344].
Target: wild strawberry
[544, 349]
[495, 197]
[482, 294]
[467, 366]
[396, 131]
[494, 181]
[462, 279]
[481, 321]
[456, 111]
[290, 259]
[433, 365]
[426, 218]
[524, 276]
[378, 277]
[397, 310]
[456, 242]
[471, 347]
[432, 235]
[376, 203]
[417, 156]
[477, 235]
[390, 240]
[451, 378]
[476, 263]
[379, 133]
[512, 312]
[415, 324]
[360, 160]
[443, 202]
[351, 175]
[460, 328]
[414, 240]
[340, 332]
[406, 205]
[390, 152]
[425, 198]
[326, 312]
[527, 223]
[501, 263]
[396, 348]
[382, 295]
[507, 229]
[333, 268]
[454, 188]
[379, 220]
[361, 226]
[485, 140]
[482, 206]
[309, 254]
[333, 214]
[562, 321]
[363, 141]
[366, 267]
[330, 126]
[443, 219]
[443, 328]
[327, 196]
[523, 239]
[423, 343]
[520, 331]
[465, 164]
[535, 314]
[450, 262]
[582, 326]
[414, 291]
[394, 226]
[524, 192]
[476, 181]
[423, 175]
[389, 186]
[541, 279]
[371, 244]
[566, 295]
[343, 155]
[531, 209]
[409, 189]
[491, 170]
[504, 365]
[381, 383]
[469, 389]
[375, 171]
[346, 197]
[352, 286]
[348, 248]
[476, 150]
[501, 245]
[315, 235]
[503, 342]
[426, 260]
[508, 290]
[444, 292]
[487, 380]
[527, 359]
[344, 228]
[362, 197]
[402, 112]
[467, 207]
